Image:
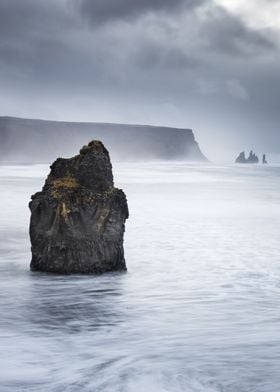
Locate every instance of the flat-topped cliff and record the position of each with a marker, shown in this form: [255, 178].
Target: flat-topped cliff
[29, 140]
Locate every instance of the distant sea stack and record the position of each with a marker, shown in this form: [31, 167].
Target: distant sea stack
[32, 141]
[78, 219]
[253, 158]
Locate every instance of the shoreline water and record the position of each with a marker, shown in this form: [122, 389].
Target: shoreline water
[197, 310]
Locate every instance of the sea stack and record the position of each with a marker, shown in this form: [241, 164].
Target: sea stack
[253, 158]
[241, 158]
[78, 219]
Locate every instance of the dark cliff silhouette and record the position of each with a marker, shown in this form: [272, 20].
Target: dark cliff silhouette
[25, 141]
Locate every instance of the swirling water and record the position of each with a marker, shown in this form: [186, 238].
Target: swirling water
[198, 309]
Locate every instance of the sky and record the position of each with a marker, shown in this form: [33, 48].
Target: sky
[209, 65]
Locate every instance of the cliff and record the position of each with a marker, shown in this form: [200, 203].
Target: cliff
[29, 141]
[77, 220]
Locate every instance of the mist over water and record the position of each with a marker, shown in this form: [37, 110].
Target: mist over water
[197, 311]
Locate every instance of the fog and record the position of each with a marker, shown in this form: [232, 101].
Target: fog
[164, 84]
[208, 65]
[197, 311]
[26, 141]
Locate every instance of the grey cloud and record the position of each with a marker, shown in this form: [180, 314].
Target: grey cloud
[160, 56]
[196, 59]
[34, 33]
[31, 17]
[100, 11]
[229, 34]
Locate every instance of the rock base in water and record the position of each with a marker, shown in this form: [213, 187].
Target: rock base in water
[78, 219]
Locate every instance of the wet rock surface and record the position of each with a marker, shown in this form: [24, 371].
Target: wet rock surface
[78, 219]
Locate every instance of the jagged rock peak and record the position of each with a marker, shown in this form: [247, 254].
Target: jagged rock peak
[253, 158]
[91, 169]
[77, 220]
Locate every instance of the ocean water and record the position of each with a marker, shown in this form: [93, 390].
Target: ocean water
[197, 311]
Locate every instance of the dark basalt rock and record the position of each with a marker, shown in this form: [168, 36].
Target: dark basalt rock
[241, 158]
[77, 220]
[253, 158]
